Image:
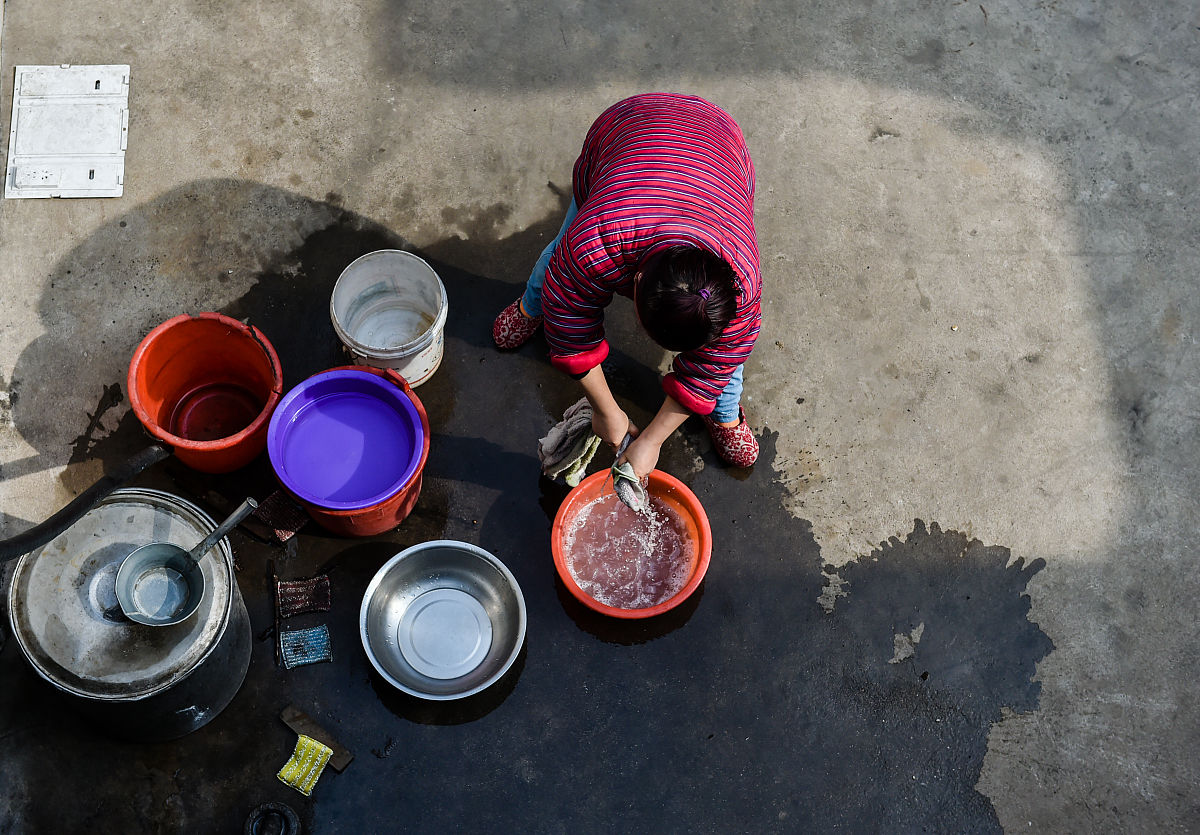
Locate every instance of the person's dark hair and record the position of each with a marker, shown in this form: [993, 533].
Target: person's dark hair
[686, 297]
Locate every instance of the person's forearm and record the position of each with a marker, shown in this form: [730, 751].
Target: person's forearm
[609, 420]
[669, 418]
[643, 453]
[595, 388]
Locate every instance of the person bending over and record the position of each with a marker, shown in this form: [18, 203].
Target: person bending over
[661, 211]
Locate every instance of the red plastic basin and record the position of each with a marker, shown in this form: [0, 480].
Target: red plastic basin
[662, 486]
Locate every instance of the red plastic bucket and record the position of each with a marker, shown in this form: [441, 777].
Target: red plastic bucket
[662, 486]
[206, 385]
[350, 445]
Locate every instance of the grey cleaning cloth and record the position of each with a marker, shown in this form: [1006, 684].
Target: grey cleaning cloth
[625, 482]
[570, 444]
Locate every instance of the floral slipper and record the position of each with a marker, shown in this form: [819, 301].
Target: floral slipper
[735, 444]
[512, 328]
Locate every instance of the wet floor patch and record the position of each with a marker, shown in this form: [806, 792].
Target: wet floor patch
[750, 708]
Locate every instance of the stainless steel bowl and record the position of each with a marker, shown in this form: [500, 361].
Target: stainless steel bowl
[442, 620]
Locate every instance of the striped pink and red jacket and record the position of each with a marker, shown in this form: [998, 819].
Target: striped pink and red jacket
[656, 170]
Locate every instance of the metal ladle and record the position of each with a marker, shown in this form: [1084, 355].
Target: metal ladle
[161, 584]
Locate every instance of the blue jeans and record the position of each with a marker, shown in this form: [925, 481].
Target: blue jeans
[531, 302]
[728, 402]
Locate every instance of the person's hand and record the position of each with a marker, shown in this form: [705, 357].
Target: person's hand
[612, 425]
[642, 454]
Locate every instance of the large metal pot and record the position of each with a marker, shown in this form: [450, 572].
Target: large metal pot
[139, 682]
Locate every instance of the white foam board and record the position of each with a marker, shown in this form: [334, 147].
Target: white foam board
[70, 126]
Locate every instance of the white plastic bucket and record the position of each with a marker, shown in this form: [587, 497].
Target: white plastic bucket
[389, 309]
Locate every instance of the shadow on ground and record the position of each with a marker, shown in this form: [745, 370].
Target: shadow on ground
[750, 709]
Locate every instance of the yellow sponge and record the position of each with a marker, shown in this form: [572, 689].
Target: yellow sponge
[302, 771]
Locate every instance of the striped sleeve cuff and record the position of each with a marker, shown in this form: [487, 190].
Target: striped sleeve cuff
[580, 364]
[685, 397]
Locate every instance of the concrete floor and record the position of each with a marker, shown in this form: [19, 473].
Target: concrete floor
[978, 227]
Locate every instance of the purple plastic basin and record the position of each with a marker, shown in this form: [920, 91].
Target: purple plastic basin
[345, 440]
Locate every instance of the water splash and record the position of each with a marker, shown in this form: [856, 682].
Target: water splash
[628, 559]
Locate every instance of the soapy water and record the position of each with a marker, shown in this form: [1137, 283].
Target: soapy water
[626, 559]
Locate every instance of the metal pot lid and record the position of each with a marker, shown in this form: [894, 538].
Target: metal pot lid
[63, 604]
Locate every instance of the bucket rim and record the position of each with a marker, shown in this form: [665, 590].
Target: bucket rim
[412, 411]
[217, 444]
[582, 493]
[414, 345]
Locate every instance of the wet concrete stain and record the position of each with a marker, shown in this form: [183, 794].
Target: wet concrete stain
[9, 397]
[750, 708]
[83, 446]
[930, 54]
